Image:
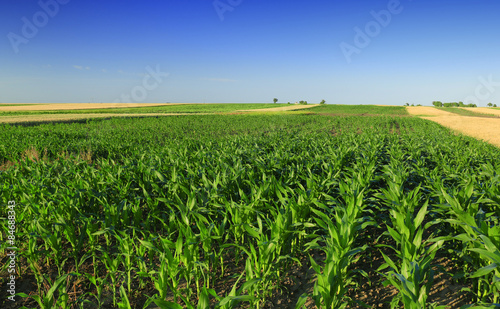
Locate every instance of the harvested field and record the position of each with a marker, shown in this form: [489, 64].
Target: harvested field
[426, 111]
[483, 110]
[279, 109]
[478, 127]
[73, 106]
[481, 128]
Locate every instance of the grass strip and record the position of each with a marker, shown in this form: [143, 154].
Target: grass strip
[466, 112]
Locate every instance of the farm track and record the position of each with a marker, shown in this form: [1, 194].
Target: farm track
[478, 127]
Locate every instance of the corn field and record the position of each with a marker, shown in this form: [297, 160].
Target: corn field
[249, 211]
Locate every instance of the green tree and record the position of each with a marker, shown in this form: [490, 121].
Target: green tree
[490, 104]
[322, 102]
[275, 100]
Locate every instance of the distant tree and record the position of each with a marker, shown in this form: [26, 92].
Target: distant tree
[437, 103]
[275, 100]
[413, 105]
[289, 103]
[494, 105]
[419, 104]
[322, 102]
[407, 104]
[490, 104]
[303, 102]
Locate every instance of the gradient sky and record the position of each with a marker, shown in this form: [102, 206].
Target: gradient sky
[250, 51]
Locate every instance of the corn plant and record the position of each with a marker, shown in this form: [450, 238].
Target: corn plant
[489, 274]
[178, 202]
[260, 264]
[412, 272]
[481, 238]
[48, 299]
[112, 264]
[99, 284]
[126, 247]
[335, 277]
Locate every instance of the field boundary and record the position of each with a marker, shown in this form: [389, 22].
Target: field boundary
[482, 128]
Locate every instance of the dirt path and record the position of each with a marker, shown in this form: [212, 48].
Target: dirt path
[280, 109]
[486, 129]
[73, 106]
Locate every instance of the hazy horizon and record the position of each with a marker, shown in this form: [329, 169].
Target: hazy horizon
[236, 51]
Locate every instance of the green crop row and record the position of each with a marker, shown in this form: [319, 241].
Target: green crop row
[217, 211]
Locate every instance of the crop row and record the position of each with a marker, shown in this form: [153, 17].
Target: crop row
[165, 212]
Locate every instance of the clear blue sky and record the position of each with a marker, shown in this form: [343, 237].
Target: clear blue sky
[250, 51]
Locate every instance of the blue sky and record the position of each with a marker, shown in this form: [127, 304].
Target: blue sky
[345, 52]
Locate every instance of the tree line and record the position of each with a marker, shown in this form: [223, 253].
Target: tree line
[458, 104]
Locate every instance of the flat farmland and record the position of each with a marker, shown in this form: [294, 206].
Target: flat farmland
[332, 206]
[475, 124]
[75, 106]
[484, 110]
[64, 112]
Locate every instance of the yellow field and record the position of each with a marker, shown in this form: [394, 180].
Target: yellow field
[427, 111]
[484, 110]
[486, 129]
